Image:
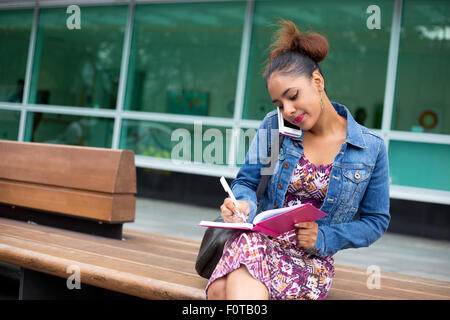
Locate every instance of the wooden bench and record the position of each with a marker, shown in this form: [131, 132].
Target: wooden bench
[142, 265]
[62, 209]
[153, 266]
[93, 189]
[81, 188]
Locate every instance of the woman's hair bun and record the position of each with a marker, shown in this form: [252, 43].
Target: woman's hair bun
[290, 38]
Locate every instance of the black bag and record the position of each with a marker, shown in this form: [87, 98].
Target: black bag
[214, 239]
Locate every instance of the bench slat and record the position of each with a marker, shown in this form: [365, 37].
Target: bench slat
[146, 286]
[115, 249]
[134, 241]
[158, 267]
[85, 168]
[151, 269]
[405, 282]
[106, 207]
[386, 291]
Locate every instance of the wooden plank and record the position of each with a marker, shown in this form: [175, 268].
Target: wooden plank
[135, 266]
[143, 282]
[400, 277]
[85, 168]
[341, 294]
[171, 260]
[133, 240]
[385, 292]
[86, 204]
[115, 249]
[137, 234]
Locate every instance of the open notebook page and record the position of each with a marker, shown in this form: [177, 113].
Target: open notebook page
[273, 212]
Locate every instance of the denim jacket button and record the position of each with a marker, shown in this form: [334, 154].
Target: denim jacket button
[286, 165]
[296, 144]
[276, 206]
[357, 175]
[280, 186]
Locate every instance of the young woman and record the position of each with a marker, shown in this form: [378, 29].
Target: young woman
[336, 164]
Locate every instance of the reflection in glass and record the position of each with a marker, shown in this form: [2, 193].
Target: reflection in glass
[78, 67]
[68, 129]
[355, 68]
[9, 124]
[183, 142]
[185, 57]
[422, 165]
[15, 27]
[422, 101]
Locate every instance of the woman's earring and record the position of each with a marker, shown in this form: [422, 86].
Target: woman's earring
[321, 102]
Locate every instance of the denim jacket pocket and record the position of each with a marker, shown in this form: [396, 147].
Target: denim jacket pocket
[354, 183]
[356, 175]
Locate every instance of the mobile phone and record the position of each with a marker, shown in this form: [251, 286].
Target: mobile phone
[286, 128]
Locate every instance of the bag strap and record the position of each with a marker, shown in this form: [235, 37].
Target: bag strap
[265, 178]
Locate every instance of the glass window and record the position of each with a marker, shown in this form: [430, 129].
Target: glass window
[78, 67]
[185, 57]
[422, 165]
[184, 142]
[9, 124]
[355, 67]
[15, 28]
[68, 129]
[422, 101]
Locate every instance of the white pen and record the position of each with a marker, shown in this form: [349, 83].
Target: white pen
[230, 193]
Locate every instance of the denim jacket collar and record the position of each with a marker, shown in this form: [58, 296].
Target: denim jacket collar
[354, 134]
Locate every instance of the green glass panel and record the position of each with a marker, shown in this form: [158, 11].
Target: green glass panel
[355, 67]
[184, 58]
[78, 67]
[9, 124]
[15, 28]
[422, 102]
[69, 129]
[423, 165]
[191, 143]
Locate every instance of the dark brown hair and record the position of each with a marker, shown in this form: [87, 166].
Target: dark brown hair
[294, 52]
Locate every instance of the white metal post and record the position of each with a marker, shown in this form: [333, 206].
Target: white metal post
[391, 74]
[123, 76]
[29, 70]
[241, 81]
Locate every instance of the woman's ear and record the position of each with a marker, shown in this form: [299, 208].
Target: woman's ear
[318, 81]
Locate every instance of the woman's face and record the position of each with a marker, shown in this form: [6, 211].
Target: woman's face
[297, 97]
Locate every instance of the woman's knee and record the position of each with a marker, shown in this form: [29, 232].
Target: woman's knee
[217, 289]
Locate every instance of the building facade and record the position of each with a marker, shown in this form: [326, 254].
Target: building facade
[183, 80]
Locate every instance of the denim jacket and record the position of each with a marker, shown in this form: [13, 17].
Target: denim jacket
[359, 178]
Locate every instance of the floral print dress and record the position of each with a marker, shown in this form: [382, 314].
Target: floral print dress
[287, 271]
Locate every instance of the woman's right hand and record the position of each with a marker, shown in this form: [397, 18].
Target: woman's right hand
[228, 210]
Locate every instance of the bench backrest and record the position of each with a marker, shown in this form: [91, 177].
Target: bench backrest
[87, 182]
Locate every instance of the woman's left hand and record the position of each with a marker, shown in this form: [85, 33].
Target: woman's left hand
[306, 234]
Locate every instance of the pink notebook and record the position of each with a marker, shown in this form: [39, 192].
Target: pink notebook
[274, 222]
